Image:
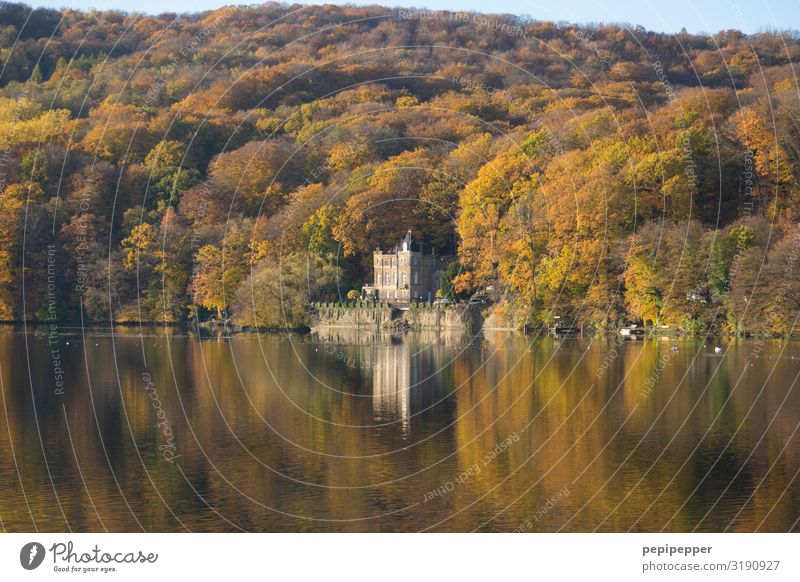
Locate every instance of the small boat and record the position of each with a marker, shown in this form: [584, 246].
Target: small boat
[564, 330]
[632, 330]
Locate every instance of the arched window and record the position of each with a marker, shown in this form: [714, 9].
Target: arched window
[416, 278]
[405, 279]
[377, 278]
[387, 278]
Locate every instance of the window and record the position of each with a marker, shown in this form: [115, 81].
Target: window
[416, 278]
[377, 278]
[386, 279]
[405, 279]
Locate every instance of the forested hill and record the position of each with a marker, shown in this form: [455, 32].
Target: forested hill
[247, 160]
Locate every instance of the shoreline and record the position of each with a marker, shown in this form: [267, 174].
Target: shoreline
[220, 330]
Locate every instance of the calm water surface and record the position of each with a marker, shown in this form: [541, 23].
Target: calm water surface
[347, 431]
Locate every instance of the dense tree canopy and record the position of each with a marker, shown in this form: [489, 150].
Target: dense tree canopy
[226, 162]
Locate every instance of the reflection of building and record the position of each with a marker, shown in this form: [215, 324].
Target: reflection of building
[404, 274]
[405, 370]
[391, 384]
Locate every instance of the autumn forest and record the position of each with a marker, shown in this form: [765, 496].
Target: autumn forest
[244, 162]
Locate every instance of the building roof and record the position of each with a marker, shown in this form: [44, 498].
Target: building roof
[407, 243]
[407, 240]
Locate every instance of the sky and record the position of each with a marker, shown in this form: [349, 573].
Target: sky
[659, 15]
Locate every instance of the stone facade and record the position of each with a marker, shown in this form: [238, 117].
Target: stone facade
[375, 316]
[404, 274]
[361, 314]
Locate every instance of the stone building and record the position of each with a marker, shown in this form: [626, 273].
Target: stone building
[404, 274]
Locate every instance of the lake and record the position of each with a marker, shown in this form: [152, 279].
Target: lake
[130, 429]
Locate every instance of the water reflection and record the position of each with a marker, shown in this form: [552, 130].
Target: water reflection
[391, 384]
[357, 431]
[402, 370]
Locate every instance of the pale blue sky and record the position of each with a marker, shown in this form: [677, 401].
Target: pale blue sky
[660, 15]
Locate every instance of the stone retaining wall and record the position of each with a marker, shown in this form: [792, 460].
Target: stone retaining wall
[361, 314]
[356, 314]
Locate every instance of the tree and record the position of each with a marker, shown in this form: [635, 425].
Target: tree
[446, 286]
[643, 292]
[484, 202]
[170, 173]
[258, 173]
[278, 291]
[36, 75]
[12, 202]
[369, 218]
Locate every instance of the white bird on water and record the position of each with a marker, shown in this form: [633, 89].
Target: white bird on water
[717, 350]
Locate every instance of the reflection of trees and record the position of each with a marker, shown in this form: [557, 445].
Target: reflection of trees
[300, 429]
